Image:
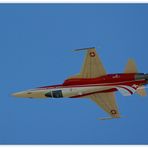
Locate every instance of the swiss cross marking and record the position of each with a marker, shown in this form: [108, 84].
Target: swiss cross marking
[92, 54]
[113, 112]
[134, 86]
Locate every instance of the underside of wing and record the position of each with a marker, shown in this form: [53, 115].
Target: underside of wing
[92, 66]
[107, 102]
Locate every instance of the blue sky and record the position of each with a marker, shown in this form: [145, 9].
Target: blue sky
[36, 43]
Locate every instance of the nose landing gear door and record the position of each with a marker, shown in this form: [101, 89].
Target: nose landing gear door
[57, 94]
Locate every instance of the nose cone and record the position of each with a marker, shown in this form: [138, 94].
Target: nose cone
[22, 94]
[35, 93]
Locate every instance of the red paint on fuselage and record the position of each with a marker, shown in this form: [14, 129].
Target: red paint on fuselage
[51, 86]
[110, 79]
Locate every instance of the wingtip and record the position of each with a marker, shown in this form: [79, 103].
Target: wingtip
[105, 118]
[108, 118]
[84, 49]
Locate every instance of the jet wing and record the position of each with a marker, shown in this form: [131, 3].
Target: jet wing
[107, 102]
[92, 66]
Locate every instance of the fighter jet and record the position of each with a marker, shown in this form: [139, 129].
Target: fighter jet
[93, 82]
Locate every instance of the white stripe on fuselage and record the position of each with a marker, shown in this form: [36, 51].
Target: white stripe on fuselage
[76, 90]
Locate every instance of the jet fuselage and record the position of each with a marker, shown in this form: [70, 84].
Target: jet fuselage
[83, 87]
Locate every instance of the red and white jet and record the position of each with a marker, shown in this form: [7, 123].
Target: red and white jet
[93, 82]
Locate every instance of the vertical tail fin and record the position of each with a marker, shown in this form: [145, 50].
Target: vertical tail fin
[132, 68]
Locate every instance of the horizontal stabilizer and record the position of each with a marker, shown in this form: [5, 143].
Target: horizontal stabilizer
[141, 91]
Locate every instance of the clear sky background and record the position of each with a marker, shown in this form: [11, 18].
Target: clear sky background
[36, 43]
